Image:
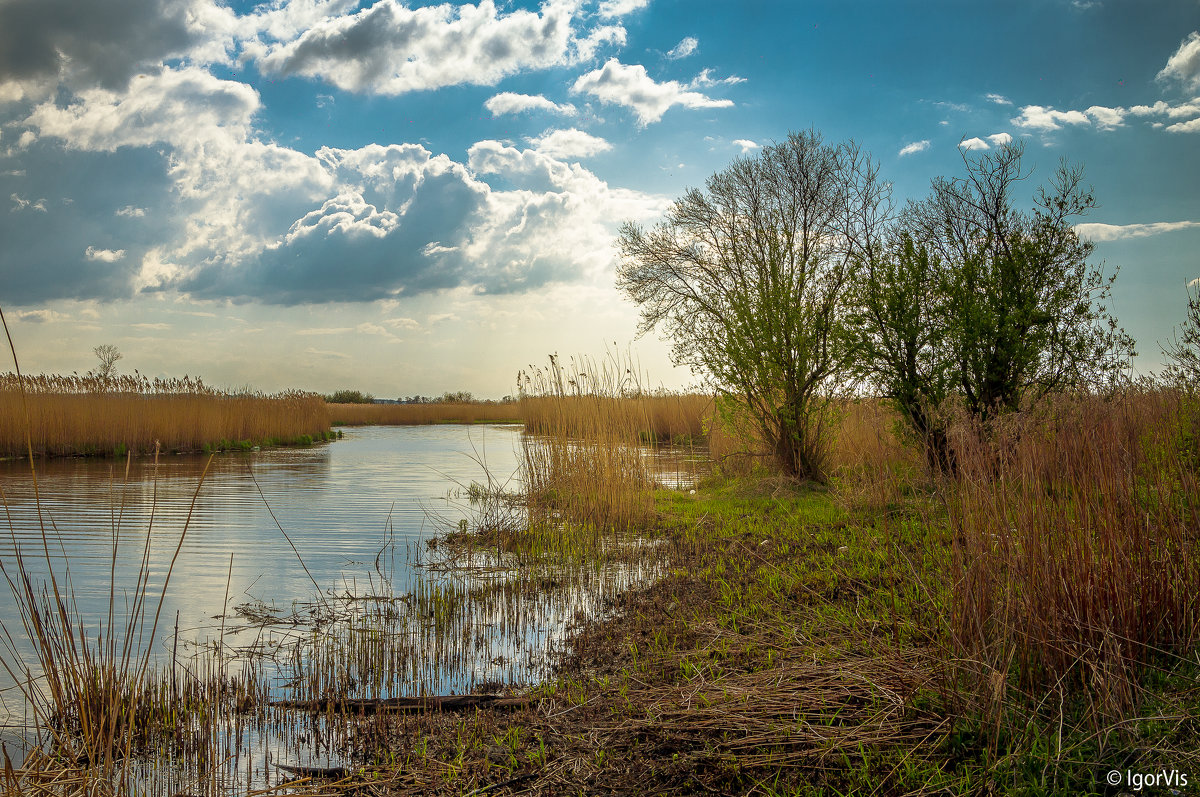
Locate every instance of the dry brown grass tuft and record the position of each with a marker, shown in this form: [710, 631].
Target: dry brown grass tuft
[1077, 547]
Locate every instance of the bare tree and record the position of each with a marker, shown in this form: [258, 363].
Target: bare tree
[108, 355]
[747, 279]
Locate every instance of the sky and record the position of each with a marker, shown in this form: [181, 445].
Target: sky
[411, 198]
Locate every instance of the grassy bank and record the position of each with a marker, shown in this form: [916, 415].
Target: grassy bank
[71, 415]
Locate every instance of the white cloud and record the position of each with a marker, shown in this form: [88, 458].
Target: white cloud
[1184, 63]
[630, 86]
[973, 144]
[402, 323]
[704, 80]
[1000, 139]
[1106, 118]
[746, 144]
[333, 355]
[131, 212]
[1192, 126]
[914, 147]
[1160, 108]
[154, 327]
[40, 316]
[30, 204]
[585, 48]
[391, 49]
[173, 106]
[619, 8]
[687, 46]
[570, 143]
[27, 138]
[999, 99]
[104, 255]
[1038, 117]
[1114, 232]
[510, 102]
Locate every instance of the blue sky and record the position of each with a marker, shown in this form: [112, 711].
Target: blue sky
[417, 197]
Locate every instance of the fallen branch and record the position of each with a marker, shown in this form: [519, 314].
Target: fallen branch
[396, 705]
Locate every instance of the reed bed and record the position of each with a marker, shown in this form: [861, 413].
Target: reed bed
[70, 415]
[1077, 548]
[587, 466]
[421, 414]
[677, 418]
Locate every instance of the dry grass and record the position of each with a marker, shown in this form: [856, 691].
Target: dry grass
[1077, 548]
[421, 414]
[84, 415]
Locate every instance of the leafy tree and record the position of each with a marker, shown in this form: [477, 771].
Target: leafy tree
[1183, 352]
[748, 278]
[108, 354]
[347, 396]
[979, 300]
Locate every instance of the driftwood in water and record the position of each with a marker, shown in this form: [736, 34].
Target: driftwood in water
[406, 704]
[326, 773]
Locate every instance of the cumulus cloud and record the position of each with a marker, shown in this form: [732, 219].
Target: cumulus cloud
[406, 222]
[1192, 126]
[1038, 117]
[45, 42]
[569, 143]
[1103, 118]
[631, 86]
[510, 102]
[619, 8]
[973, 144]
[1106, 118]
[999, 99]
[388, 48]
[914, 147]
[746, 144]
[1000, 139]
[1115, 232]
[131, 212]
[172, 106]
[1184, 64]
[687, 46]
[104, 255]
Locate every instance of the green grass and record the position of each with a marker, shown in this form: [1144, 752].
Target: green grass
[798, 646]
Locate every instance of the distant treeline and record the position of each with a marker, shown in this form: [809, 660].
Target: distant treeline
[454, 397]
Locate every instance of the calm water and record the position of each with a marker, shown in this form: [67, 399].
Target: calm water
[359, 513]
[340, 504]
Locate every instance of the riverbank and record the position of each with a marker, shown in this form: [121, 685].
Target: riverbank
[798, 646]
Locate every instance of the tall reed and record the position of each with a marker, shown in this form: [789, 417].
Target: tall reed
[583, 462]
[1077, 546]
[91, 415]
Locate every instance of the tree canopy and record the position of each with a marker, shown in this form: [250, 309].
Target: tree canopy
[747, 279]
[977, 299]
